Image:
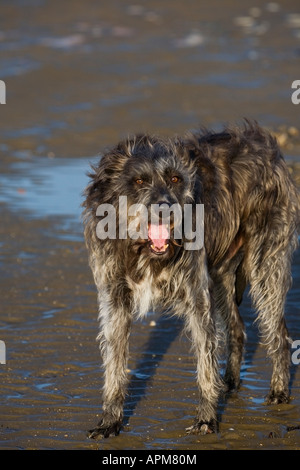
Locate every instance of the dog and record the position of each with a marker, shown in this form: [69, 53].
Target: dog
[251, 221]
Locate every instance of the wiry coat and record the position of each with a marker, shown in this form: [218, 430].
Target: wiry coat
[251, 214]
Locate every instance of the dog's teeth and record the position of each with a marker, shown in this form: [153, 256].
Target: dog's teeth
[154, 247]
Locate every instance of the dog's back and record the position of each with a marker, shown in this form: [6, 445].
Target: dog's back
[245, 184]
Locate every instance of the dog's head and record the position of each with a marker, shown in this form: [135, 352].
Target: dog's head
[147, 181]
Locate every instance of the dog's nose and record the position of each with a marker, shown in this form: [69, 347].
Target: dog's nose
[164, 201]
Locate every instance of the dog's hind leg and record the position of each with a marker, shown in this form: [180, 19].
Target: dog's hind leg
[270, 280]
[115, 323]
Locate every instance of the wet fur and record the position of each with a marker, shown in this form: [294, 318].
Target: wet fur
[251, 217]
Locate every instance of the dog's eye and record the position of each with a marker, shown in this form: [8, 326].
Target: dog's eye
[139, 181]
[175, 179]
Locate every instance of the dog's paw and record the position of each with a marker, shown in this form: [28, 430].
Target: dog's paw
[276, 398]
[203, 427]
[105, 430]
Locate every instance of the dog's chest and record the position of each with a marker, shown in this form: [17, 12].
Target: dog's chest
[146, 294]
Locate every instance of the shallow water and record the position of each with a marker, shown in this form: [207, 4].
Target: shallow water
[78, 80]
[43, 188]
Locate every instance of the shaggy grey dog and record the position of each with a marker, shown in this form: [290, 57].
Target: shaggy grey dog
[251, 209]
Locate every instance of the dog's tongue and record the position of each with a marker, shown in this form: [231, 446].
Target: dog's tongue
[158, 234]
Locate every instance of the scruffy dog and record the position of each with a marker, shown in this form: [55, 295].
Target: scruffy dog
[251, 216]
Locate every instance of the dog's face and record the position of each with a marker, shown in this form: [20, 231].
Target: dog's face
[157, 180]
[148, 175]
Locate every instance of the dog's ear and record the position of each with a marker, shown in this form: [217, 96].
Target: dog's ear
[183, 150]
[112, 162]
[105, 175]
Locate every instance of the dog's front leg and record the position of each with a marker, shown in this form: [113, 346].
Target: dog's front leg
[115, 323]
[201, 328]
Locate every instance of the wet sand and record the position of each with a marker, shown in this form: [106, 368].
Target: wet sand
[78, 80]
[50, 384]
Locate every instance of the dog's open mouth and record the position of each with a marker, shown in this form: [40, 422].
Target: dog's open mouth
[158, 236]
